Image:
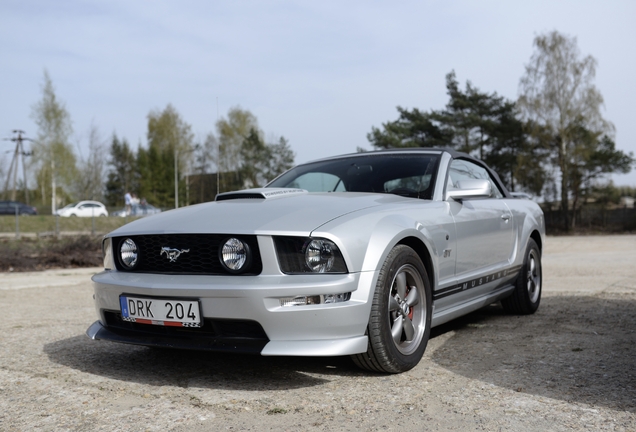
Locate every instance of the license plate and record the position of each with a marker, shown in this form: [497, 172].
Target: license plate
[165, 312]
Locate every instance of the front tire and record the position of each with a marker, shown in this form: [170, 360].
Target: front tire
[526, 297]
[400, 321]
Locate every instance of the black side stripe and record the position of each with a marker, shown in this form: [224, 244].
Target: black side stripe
[477, 282]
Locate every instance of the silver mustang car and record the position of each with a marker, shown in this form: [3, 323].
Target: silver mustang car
[357, 255]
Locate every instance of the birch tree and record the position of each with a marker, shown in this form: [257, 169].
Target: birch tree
[557, 93]
[53, 158]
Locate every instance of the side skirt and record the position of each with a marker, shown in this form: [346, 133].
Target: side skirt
[441, 317]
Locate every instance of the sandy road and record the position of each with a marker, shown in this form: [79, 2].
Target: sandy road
[571, 366]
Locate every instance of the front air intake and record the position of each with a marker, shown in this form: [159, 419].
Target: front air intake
[183, 254]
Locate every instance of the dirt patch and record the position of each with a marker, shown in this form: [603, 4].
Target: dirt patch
[43, 254]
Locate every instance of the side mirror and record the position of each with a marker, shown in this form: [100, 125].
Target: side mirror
[467, 189]
[521, 195]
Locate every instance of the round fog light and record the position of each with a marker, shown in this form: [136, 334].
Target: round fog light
[128, 253]
[235, 255]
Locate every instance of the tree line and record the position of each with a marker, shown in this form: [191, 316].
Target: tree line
[238, 154]
[553, 141]
[171, 162]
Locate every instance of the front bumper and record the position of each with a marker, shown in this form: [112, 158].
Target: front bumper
[313, 330]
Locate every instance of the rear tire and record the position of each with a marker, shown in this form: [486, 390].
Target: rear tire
[400, 321]
[526, 297]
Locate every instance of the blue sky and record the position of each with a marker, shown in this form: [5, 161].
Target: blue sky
[320, 74]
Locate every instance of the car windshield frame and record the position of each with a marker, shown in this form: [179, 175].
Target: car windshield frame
[405, 174]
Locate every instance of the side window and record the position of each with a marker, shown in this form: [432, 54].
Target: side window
[462, 169]
[318, 182]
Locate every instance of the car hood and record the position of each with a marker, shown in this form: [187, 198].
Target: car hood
[294, 213]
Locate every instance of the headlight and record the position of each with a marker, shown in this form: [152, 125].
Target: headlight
[320, 256]
[128, 253]
[309, 255]
[107, 251]
[235, 255]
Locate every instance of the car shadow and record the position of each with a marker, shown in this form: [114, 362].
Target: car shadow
[579, 349]
[163, 366]
[575, 349]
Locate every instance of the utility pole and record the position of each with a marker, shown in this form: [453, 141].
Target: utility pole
[176, 178]
[18, 153]
[218, 152]
[53, 186]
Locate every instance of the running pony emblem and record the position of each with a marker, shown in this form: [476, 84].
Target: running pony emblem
[172, 254]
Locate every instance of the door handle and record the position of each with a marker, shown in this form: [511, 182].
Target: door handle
[505, 217]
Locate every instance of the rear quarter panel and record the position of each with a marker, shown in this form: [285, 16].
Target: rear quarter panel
[529, 222]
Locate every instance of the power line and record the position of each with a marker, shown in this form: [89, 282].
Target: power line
[18, 153]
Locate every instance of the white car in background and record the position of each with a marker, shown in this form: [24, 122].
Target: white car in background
[83, 209]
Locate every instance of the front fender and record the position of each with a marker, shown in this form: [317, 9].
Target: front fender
[366, 240]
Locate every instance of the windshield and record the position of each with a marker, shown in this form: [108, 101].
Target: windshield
[409, 175]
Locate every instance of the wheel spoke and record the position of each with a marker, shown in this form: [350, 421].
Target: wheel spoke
[532, 265]
[409, 330]
[396, 330]
[400, 282]
[533, 283]
[393, 304]
[413, 297]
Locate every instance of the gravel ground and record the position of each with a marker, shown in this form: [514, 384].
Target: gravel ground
[571, 366]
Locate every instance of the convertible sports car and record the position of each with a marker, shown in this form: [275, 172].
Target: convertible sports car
[354, 255]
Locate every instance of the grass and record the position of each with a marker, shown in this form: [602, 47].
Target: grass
[46, 223]
[78, 248]
[41, 254]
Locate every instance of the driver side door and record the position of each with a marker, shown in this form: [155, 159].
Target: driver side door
[484, 226]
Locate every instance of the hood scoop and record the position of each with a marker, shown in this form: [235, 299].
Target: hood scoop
[260, 193]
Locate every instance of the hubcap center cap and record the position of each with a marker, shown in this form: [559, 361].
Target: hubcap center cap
[405, 308]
